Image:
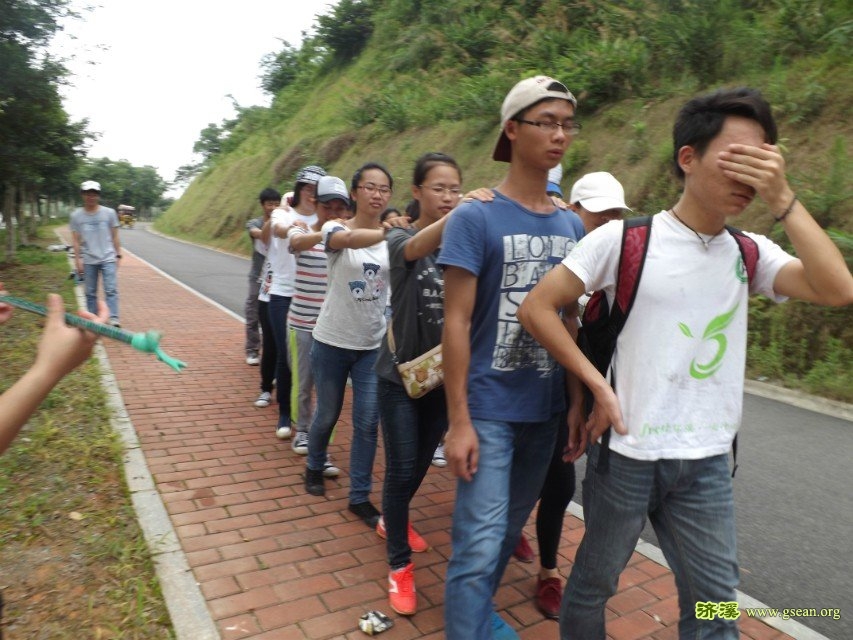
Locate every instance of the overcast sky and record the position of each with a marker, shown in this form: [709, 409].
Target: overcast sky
[151, 74]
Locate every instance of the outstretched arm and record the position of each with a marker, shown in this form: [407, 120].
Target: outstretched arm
[61, 349]
[425, 241]
[356, 238]
[820, 274]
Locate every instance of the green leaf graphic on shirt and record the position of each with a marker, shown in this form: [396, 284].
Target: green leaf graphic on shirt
[714, 332]
[740, 270]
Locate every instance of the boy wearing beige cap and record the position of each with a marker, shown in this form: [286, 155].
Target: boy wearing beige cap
[505, 395]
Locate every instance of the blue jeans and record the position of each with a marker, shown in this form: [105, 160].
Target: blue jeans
[108, 271]
[278, 308]
[489, 514]
[411, 430]
[331, 366]
[691, 507]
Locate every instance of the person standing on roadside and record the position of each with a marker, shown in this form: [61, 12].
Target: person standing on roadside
[300, 210]
[97, 249]
[679, 362]
[270, 200]
[412, 428]
[347, 336]
[505, 394]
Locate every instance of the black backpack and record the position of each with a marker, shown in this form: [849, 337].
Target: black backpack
[601, 324]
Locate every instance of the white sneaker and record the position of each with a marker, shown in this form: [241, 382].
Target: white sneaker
[438, 459]
[283, 432]
[253, 359]
[300, 443]
[329, 469]
[263, 399]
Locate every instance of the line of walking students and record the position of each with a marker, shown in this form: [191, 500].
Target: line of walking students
[495, 278]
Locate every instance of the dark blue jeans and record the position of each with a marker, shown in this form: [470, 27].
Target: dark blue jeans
[278, 308]
[411, 430]
[331, 366]
[691, 507]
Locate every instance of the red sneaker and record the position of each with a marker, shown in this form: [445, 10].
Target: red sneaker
[416, 542]
[523, 552]
[401, 590]
[549, 595]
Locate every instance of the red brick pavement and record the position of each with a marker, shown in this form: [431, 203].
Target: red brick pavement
[273, 562]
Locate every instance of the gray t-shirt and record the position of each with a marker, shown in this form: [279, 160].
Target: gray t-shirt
[259, 253]
[95, 231]
[417, 304]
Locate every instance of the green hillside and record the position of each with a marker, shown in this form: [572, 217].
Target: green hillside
[388, 80]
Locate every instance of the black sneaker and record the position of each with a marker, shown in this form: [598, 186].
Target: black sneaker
[367, 512]
[314, 483]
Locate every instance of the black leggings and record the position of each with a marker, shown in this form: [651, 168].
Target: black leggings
[555, 496]
[268, 351]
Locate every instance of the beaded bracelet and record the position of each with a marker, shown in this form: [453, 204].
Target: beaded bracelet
[787, 210]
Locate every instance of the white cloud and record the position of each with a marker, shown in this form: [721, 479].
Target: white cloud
[151, 74]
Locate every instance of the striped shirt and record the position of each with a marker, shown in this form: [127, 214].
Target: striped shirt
[310, 285]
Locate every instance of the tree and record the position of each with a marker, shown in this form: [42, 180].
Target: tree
[31, 23]
[39, 146]
[123, 183]
[210, 141]
[346, 30]
[280, 69]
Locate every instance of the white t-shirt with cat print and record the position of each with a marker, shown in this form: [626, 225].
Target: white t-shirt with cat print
[353, 313]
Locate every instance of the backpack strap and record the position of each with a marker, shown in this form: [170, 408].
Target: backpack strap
[750, 254]
[748, 251]
[636, 233]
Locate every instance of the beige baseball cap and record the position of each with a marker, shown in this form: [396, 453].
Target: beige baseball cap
[523, 95]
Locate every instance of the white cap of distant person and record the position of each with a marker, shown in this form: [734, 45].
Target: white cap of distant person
[90, 185]
[598, 198]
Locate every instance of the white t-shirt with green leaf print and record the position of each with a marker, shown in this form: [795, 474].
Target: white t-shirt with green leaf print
[680, 359]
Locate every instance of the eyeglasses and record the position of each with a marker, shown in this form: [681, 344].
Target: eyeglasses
[372, 188]
[569, 127]
[440, 190]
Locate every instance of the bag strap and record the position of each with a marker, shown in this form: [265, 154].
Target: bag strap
[392, 346]
[636, 234]
[748, 251]
[750, 254]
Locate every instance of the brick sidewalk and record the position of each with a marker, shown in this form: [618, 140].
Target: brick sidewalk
[273, 562]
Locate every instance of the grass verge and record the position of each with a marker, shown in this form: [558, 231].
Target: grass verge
[73, 561]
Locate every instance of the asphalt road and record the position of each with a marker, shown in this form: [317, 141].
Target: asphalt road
[793, 488]
[222, 277]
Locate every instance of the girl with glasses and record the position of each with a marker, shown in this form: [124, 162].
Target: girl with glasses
[412, 428]
[347, 336]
